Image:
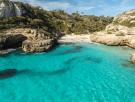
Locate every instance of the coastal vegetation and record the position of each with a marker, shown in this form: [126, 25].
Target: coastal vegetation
[55, 21]
[125, 19]
[121, 32]
[78, 69]
[34, 29]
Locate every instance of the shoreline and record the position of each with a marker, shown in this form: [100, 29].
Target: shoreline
[71, 38]
[86, 38]
[68, 39]
[7, 51]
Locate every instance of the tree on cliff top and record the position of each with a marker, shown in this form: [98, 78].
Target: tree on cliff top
[56, 21]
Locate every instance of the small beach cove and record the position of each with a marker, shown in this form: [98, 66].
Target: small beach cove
[73, 38]
[79, 72]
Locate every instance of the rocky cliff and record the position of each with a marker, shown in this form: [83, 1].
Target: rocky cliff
[34, 29]
[120, 32]
[30, 40]
[9, 9]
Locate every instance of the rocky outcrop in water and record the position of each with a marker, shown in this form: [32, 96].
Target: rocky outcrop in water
[9, 9]
[37, 45]
[37, 41]
[120, 33]
[133, 58]
[30, 40]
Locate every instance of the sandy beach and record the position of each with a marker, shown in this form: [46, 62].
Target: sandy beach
[75, 38]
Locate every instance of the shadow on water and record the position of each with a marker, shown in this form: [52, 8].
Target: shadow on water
[59, 71]
[93, 59]
[8, 73]
[128, 64]
[74, 50]
[84, 58]
[43, 73]
[53, 48]
[16, 51]
[71, 60]
[19, 52]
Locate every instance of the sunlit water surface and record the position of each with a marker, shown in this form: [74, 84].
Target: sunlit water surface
[70, 73]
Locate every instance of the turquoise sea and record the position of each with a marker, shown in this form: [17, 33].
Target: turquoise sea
[70, 73]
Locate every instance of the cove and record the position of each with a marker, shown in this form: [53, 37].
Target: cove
[70, 73]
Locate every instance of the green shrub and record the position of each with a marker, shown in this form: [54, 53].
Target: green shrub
[56, 21]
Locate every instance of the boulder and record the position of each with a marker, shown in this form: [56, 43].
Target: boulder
[133, 58]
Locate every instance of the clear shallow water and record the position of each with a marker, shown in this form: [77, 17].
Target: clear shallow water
[70, 73]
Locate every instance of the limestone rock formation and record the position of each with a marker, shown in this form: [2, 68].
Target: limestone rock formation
[126, 19]
[30, 40]
[121, 32]
[37, 45]
[24, 31]
[37, 41]
[9, 9]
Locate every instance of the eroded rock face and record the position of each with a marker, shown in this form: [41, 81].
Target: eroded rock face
[126, 19]
[121, 32]
[123, 24]
[108, 40]
[11, 41]
[113, 40]
[9, 9]
[37, 45]
[30, 40]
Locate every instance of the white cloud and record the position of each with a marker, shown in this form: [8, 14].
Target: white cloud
[70, 8]
[96, 7]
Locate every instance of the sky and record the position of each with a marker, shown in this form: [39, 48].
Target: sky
[87, 7]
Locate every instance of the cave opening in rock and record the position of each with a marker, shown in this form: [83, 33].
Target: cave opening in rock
[14, 41]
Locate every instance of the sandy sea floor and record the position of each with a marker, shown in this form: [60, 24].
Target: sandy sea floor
[70, 73]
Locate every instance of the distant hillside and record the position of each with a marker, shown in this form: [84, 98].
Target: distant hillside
[52, 21]
[34, 29]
